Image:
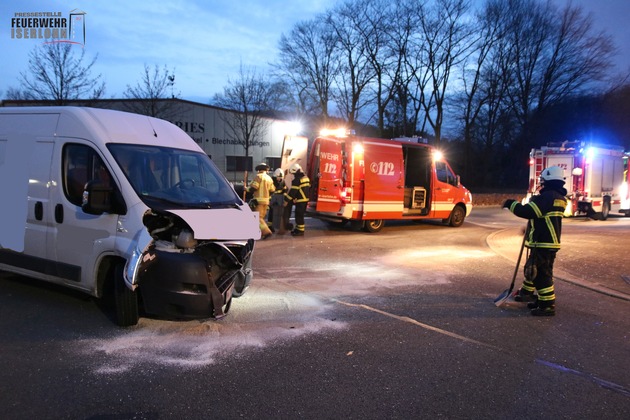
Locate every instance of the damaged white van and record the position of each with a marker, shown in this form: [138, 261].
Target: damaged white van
[99, 200]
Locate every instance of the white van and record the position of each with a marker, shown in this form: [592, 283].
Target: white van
[101, 200]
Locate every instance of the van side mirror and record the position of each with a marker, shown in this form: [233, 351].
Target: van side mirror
[97, 198]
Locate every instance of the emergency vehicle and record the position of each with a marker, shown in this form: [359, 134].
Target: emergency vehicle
[368, 180]
[98, 200]
[597, 176]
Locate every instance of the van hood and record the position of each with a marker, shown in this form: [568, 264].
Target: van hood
[221, 224]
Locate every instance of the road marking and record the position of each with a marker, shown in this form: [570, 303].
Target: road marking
[420, 324]
[601, 382]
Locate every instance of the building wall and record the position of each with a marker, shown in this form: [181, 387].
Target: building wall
[207, 126]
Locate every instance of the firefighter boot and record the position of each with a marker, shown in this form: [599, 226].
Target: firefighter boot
[544, 310]
[525, 296]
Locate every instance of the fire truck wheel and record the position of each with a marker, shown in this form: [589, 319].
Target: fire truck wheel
[374, 226]
[456, 219]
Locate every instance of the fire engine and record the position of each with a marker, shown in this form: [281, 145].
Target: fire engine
[597, 176]
[367, 181]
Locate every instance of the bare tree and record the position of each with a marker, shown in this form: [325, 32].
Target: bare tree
[395, 107]
[249, 97]
[356, 73]
[482, 85]
[385, 30]
[308, 59]
[447, 40]
[550, 55]
[55, 73]
[149, 93]
[553, 54]
[578, 57]
[414, 76]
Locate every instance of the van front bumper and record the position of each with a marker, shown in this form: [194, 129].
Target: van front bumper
[188, 285]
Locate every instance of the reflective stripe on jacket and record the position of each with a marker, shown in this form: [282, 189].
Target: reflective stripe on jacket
[545, 213]
[262, 187]
[300, 189]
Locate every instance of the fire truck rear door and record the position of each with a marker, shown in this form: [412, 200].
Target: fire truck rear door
[330, 182]
[384, 179]
[563, 161]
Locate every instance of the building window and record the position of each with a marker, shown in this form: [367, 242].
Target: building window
[274, 162]
[238, 163]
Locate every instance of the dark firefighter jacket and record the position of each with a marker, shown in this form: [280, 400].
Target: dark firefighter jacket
[281, 187]
[300, 189]
[545, 212]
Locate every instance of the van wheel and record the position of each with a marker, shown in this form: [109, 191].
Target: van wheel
[605, 210]
[125, 300]
[373, 226]
[457, 217]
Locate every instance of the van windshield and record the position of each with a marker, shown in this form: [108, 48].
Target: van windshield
[174, 177]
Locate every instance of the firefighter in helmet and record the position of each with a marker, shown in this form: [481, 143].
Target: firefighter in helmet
[298, 195]
[544, 212]
[261, 188]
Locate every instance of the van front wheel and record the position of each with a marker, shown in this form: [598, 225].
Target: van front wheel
[456, 219]
[125, 300]
[374, 226]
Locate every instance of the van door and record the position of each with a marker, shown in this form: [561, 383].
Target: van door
[294, 150]
[77, 240]
[384, 181]
[445, 189]
[39, 216]
[328, 172]
[22, 148]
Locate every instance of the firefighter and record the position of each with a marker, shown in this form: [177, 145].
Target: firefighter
[298, 196]
[277, 201]
[261, 188]
[544, 212]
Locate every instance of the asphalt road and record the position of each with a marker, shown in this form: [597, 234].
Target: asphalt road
[342, 324]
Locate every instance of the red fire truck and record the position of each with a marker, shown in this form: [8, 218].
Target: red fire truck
[597, 176]
[367, 181]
